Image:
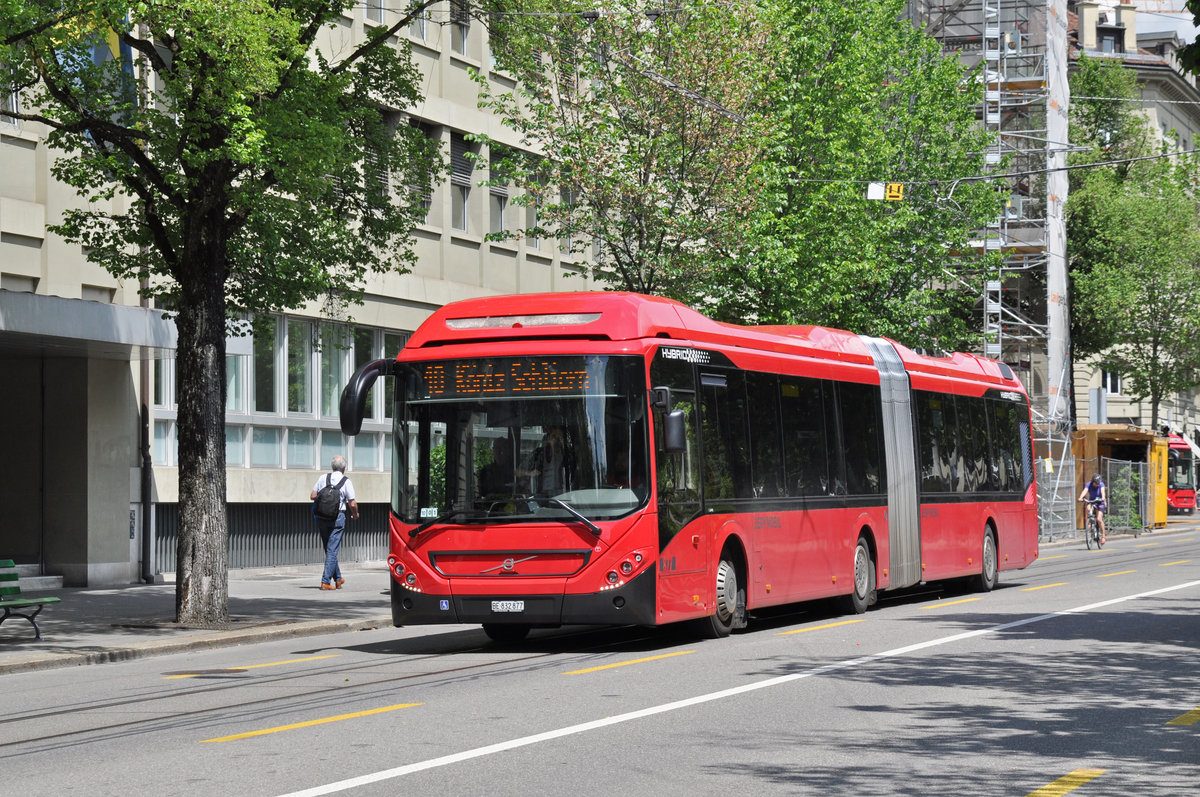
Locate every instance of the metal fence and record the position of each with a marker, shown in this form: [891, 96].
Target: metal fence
[271, 535]
[1127, 487]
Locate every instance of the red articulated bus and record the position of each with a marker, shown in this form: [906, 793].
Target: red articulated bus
[612, 458]
[1181, 476]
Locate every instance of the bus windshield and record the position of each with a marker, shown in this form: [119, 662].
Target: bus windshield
[512, 439]
[1179, 469]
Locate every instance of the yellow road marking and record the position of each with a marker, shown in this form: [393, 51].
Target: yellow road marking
[1146, 545]
[1067, 783]
[819, 627]
[627, 663]
[1190, 718]
[1187, 539]
[1180, 562]
[1044, 586]
[256, 666]
[1119, 573]
[1048, 558]
[950, 603]
[310, 723]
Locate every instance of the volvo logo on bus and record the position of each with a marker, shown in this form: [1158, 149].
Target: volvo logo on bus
[509, 565]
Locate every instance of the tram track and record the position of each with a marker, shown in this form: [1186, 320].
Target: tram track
[588, 640]
[374, 685]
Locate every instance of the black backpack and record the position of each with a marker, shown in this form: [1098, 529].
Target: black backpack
[329, 499]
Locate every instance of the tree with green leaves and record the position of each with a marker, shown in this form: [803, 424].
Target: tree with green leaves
[235, 158]
[639, 132]
[859, 95]
[1133, 237]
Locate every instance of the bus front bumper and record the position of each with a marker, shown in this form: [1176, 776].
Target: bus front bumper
[632, 603]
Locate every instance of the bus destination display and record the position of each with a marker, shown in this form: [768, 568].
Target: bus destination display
[467, 378]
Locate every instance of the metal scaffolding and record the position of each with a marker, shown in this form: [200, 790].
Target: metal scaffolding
[1020, 49]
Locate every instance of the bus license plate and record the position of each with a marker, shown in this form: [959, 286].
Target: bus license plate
[508, 606]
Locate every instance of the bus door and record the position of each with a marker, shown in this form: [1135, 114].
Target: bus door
[683, 547]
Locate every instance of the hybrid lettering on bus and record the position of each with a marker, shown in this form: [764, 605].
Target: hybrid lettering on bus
[1181, 476]
[612, 458]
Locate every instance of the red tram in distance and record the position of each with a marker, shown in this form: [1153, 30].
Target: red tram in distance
[612, 458]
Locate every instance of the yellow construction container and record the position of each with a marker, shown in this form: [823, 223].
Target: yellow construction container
[1096, 446]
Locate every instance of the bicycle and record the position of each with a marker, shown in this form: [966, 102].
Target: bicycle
[1091, 527]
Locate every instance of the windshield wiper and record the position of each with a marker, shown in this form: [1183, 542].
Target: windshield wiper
[570, 510]
[442, 518]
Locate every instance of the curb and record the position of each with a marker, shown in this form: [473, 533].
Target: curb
[74, 658]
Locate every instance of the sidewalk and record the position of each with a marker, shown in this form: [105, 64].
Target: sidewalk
[93, 625]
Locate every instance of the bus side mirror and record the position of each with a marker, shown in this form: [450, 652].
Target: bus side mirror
[674, 432]
[660, 398]
[354, 396]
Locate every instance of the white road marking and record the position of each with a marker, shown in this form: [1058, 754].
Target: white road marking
[570, 730]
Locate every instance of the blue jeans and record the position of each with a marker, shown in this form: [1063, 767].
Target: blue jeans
[331, 538]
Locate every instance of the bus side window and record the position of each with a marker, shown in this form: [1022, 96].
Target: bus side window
[861, 434]
[766, 460]
[931, 444]
[725, 439]
[805, 443]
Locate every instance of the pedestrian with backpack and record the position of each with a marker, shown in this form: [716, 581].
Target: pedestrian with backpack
[332, 497]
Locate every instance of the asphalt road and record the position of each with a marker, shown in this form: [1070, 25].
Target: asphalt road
[1078, 673]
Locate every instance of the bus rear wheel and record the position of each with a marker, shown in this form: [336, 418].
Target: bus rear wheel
[505, 632]
[990, 573]
[864, 579]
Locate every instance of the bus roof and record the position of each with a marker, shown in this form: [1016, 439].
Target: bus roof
[622, 316]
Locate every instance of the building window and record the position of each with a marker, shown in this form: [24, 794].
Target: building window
[461, 166]
[164, 384]
[235, 383]
[567, 197]
[1111, 382]
[266, 369]
[333, 367]
[392, 343]
[332, 444]
[301, 448]
[235, 445]
[460, 25]
[424, 193]
[366, 349]
[9, 101]
[419, 25]
[366, 452]
[374, 11]
[166, 447]
[498, 192]
[299, 360]
[265, 449]
[1110, 40]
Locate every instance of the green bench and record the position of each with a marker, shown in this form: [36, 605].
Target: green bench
[10, 597]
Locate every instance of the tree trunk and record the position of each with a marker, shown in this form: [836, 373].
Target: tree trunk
[201, 574]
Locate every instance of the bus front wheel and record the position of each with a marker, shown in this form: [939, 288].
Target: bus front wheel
[731, 597]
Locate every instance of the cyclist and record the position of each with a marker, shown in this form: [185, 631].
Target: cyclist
[1094, 491]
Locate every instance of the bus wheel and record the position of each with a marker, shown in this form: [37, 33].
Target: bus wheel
[864, 579]
[505, 632]
[729, 597]
[986, 580]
